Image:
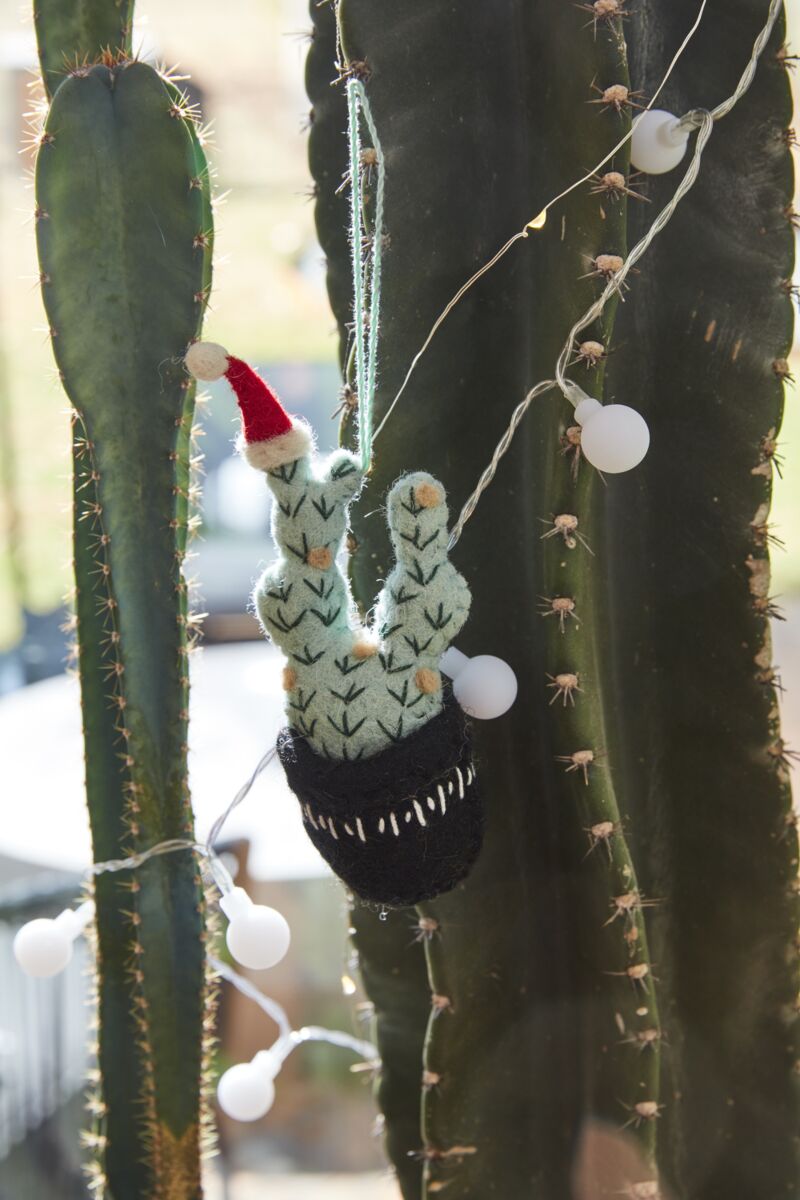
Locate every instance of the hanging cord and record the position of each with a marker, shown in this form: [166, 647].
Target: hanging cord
[366, 342]
[697, 118]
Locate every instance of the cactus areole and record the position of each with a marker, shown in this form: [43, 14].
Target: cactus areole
[377, 750]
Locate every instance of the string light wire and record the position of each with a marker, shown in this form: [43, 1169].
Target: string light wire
[539, 220]
[569, 388]
[499, 450]
[703, 121]
[288, 1038]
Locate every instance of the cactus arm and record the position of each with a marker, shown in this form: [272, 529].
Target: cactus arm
[424, 602]
[69, 35]
[304, 603]
[123, 284]
[438, 597]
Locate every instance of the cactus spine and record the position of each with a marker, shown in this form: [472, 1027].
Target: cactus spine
[549, 973]
[124, 236]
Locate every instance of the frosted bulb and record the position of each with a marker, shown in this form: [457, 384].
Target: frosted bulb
[614, 437]
[245, 1092]
[258, 936]
[658, 142]
[484, 686]
[43, 947]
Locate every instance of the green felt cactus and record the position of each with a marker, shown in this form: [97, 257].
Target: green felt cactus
[377, 749]
[124, 238]
[353, 690]
[611, 1011]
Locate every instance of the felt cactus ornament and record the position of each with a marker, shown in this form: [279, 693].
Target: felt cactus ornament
[377, 749]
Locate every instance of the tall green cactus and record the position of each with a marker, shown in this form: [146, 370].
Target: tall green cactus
[124, 236]
[351, 693]
[612, 995]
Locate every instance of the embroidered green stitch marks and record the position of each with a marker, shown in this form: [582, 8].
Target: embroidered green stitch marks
[353, 690]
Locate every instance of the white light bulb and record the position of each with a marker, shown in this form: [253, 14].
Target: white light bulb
[246, 1092]
[658, 142]
[44, 947]
[258, 936]
[484, 686]
[614, 437]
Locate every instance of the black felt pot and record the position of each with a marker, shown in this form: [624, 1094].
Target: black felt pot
[402, 826]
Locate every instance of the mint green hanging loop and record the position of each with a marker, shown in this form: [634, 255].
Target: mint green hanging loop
[366, 278]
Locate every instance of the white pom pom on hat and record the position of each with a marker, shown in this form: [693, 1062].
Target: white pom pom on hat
[207, 361]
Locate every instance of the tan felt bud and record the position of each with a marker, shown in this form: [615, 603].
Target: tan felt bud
[428, 495]
[364, 649]
[320, 558]
[289, 679]
[428, 681]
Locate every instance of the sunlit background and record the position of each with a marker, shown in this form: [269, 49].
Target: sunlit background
[268, 306]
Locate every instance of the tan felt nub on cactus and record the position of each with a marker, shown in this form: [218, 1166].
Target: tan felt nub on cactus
[428, 681]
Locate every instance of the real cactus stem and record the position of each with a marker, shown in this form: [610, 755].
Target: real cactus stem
[353, 689]
[715, 747]
[71, 36]
[688, 788]
[116, 179]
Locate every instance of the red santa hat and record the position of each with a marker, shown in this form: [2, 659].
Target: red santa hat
[270, 437]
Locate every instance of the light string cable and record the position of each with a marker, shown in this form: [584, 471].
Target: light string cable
[704, 122]
[365, 277]
[220, 873]
[538, 220]
[288, 1038]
